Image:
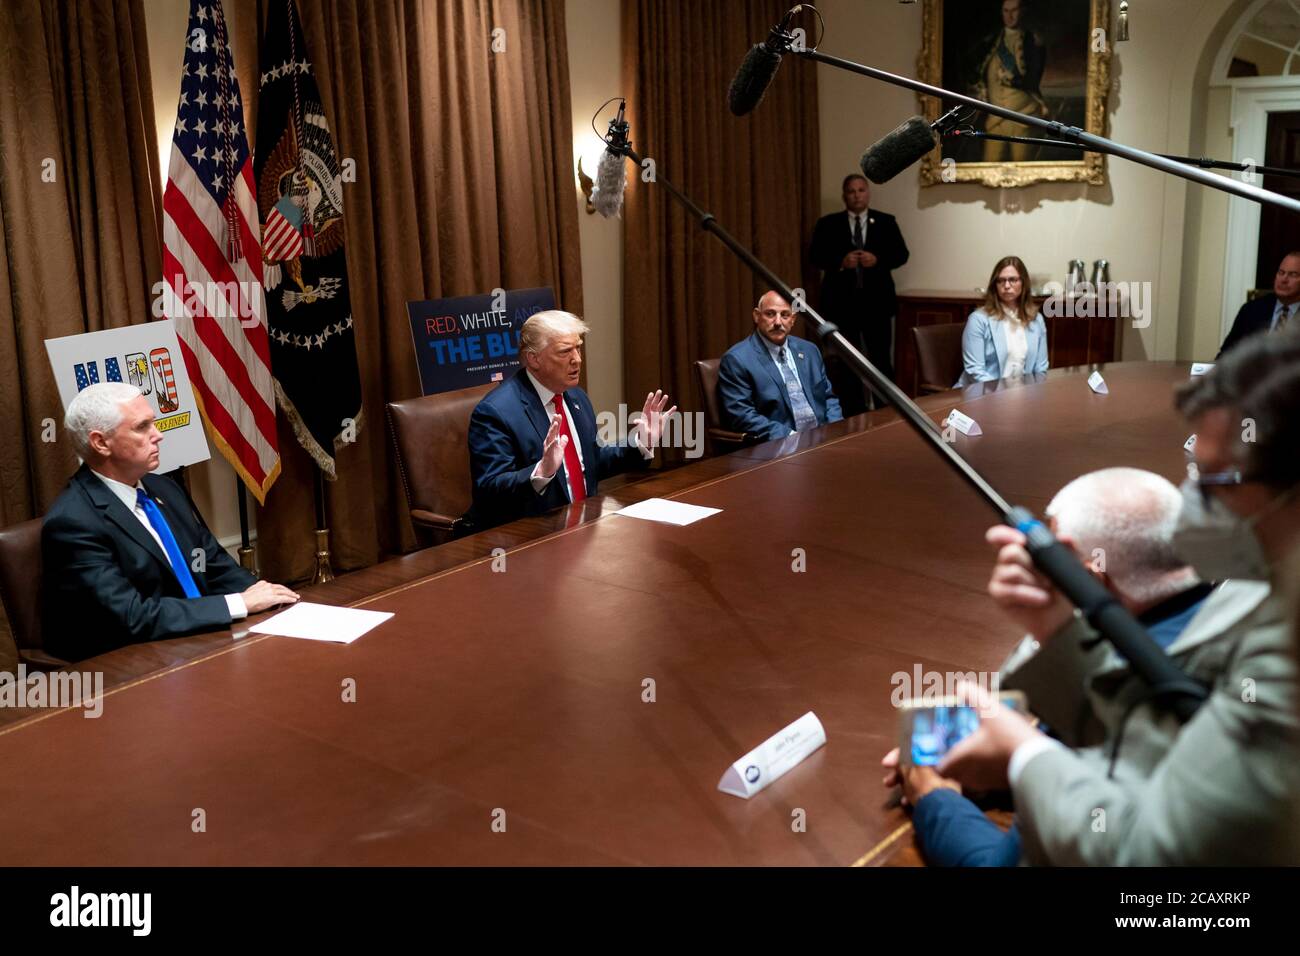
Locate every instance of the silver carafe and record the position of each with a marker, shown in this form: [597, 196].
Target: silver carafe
[1100, 273]
[1074, 274]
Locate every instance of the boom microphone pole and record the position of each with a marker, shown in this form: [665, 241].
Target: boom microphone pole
[914, 139]
[1202, 162]
[1056, 561]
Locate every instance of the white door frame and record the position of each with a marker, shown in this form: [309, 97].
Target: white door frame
[1252, 100]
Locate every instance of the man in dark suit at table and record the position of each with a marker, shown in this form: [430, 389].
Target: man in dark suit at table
[126, 556]
[773, 384]
[1270, 312]
[523, 454]
[856, 250]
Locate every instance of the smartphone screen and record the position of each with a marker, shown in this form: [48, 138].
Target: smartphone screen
[930, 728]
[936, 730]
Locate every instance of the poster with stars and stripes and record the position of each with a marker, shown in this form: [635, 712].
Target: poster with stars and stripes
[212, 260]
[300, 199]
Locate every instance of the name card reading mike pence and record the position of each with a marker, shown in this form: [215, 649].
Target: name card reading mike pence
[963, 423]
[1098, 384]
[773, 758]
[472, 339]
[148, 357]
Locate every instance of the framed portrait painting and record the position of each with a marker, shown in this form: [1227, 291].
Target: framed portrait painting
[1045, 58]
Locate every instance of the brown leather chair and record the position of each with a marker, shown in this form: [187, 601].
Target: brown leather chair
[430, 435]
[938, 355]
[721, 439]
[20, 590]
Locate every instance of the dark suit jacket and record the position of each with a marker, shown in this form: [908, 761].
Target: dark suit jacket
[506, 432]
[842, 301]
[1035, 61]
[108, 584]
[753, 394]
[1252, 318]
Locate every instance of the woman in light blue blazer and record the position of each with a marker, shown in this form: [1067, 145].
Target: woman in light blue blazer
[1006, 336]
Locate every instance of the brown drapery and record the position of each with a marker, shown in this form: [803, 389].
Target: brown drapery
[80, 215]
[685, 297]
[464, 184]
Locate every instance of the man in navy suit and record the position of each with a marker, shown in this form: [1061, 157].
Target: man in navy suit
[126, 556]
[532, 439]
[773, 384]
[856, 250]
[1271, 312]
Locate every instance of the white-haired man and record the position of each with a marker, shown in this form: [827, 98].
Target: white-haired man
[126, 556]
[1121, 522]
[532, 439]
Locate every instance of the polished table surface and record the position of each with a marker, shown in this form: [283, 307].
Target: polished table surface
[515, 695]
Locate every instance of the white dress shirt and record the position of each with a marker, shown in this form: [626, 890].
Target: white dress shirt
[126, 494]
[853, 218]
[1017, 347]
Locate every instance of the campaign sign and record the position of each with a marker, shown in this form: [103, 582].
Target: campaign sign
[147, 357]
[473, 339]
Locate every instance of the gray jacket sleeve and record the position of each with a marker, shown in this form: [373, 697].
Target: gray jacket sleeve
[1220, 790]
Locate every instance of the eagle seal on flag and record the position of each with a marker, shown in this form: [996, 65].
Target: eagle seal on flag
[300, 200]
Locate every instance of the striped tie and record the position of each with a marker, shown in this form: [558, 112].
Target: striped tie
[1284, 314]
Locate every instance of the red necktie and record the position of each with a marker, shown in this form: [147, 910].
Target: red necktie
[572, 466]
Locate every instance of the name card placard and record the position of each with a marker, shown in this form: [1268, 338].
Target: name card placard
[963, 423]
[1098, 384]
[1189, 446]
[774, 757]
[1200, 368]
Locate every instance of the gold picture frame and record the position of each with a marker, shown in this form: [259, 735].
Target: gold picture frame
[935, 64]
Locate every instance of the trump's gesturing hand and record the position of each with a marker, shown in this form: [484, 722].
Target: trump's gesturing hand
[649, 427]
[553, 448]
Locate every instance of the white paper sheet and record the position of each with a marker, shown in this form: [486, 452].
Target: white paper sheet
[671, 512]
[322, 622]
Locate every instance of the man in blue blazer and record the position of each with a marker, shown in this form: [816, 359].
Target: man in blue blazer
[1270, 312]
[773, 384]
[532, 439]
[126, 557]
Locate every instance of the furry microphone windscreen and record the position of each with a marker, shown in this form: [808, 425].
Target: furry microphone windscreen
[611, 178]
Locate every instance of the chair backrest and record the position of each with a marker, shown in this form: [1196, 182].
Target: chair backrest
[430, 435]
[706, 376]
[938, 355]
[20, 581]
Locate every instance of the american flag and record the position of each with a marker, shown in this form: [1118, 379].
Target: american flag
[212, 262]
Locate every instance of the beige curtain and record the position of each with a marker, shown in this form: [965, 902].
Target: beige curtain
[685, 297]
[464, 184]
[80, 209]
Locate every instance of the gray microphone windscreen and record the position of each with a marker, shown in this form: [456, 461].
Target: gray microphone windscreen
[894, 152]
[611, 178]
[752, 79]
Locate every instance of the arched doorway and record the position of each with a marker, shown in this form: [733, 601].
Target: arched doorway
[1259, 62]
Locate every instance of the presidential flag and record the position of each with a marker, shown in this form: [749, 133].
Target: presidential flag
[300, 190]
[212, 262]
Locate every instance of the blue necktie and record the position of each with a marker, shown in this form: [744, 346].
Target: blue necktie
[804, 416]
[174, 556]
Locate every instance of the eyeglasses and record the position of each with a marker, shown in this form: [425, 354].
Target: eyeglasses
[1014, 280]
[1231, 476]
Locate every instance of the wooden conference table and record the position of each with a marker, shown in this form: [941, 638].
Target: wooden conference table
[522, 690]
